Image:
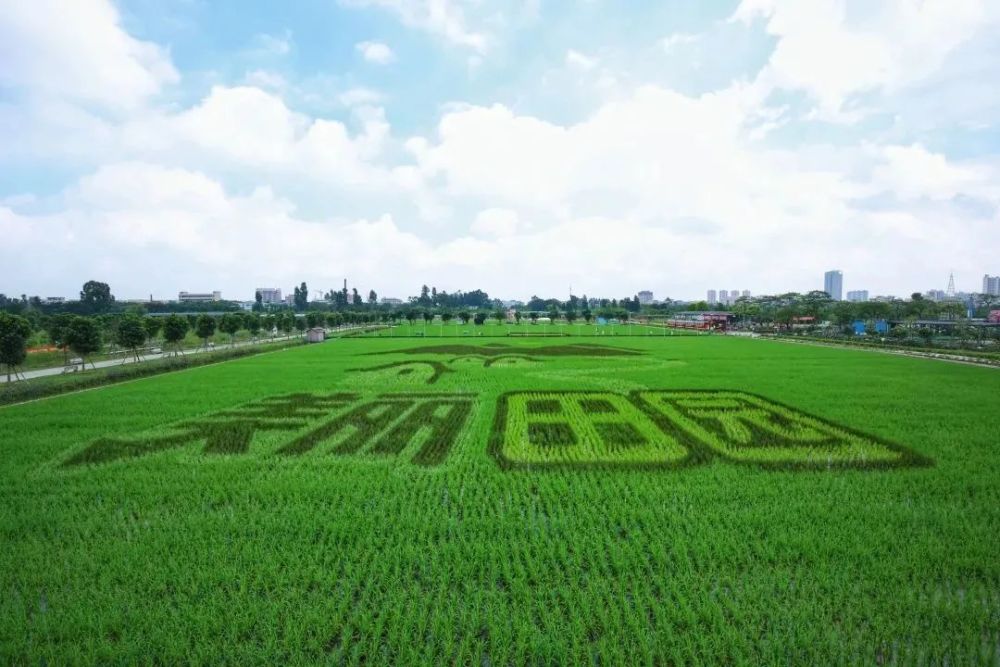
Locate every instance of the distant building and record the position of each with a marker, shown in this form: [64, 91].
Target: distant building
[199, 296]
[289, 299]
[701, 320]
[316, 335]
[712, 297]
[723, 296]
[857, 296]
[991, 285]
[935, 295]
[833, 284]
[55, 299]
[645, 297]
[390, 301]
[514, 303]
[746, 293]
[268, 294]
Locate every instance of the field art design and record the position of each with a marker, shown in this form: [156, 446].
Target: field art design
[431, 370]
[685, 500]
[746, 428]
[492, 352]
[668, 428]
[579, 428]
[345, 423]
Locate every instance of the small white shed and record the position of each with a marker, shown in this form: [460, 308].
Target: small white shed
[316, 335]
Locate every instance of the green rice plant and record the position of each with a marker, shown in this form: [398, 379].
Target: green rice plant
[747, 428]
[435, 426]
[513, 549]
[403, 368]
[493, 350]
[565, 429]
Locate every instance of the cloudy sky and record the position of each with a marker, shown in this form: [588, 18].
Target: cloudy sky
[515, 146]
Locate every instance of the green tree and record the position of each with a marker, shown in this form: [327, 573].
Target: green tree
[480, 318]
[587, 315]
[175, 328]
[533, 316]
[446, 316]
[56, 328]
[464, 316]
[130, 334]
[84, 337]
[230, 324]
[286, 322]
[253, 325]
[299, 324]
[372, 298]
[499, 315]
[153, 326]
[258, 302]
[14, 333]
[96, 297]
[517, 316]
[301, 297]
[268, 323]
[314, 319]
[204, 328]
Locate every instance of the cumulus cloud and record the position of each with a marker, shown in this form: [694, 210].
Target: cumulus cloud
[79, 50]
[821, 51]
[375, 52]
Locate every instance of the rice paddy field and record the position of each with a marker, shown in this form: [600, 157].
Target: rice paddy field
[499, 501]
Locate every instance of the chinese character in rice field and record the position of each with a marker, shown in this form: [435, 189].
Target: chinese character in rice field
[746, 428]
[656, 429]
[343, 423]
[574, 428]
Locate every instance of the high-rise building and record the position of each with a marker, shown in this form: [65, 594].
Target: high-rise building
[857, 295]
[723, 296]
[645, 297]
[991, 285]
[746, 293]
[712, 298]
[269, 294]
[833, 284]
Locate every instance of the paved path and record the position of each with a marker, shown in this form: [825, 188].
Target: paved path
[59, 370]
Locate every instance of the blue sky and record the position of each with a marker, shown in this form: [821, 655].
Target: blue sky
[517, 146]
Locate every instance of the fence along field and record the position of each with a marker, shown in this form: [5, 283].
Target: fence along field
[685, 500]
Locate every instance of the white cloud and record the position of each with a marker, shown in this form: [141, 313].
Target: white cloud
[676, 39]
[265, 79]
[247, 127]
[441, 17]
[273, 45]
[580, 61]
[78, 50]
[375, 52]
[496, 222]
[360, 97]
[820, 51]
[913, 172]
